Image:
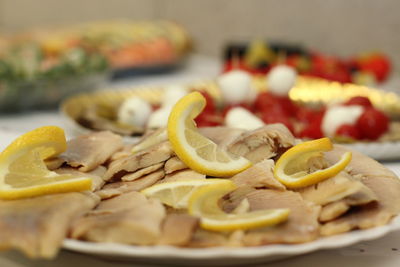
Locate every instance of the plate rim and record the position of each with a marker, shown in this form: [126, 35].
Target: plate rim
[215, 253]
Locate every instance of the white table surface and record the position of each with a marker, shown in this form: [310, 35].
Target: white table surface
[382, 252]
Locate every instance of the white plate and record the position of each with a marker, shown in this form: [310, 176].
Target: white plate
[222, 255]
[378, 151]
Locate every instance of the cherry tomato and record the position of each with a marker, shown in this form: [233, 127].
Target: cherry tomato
[372, 124]
[305, 114]
[287, 104]
[266, 102]
[263, 101]
[277, 117]
[206, 119]
[210, 106]
[313, 128]
[376, 63]
[359, 100]
[349, 130]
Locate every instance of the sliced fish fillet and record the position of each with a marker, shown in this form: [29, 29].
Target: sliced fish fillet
[333, 210]
[361, 165]
[153, 155]
[87, 152]
[178, 229]
[129, 219]
[301, 226]
[142, 172]
[150, 139]
[263, 143]
[341, 186]
[118, 188]
[203, 239]
[96, 175]
[381, 181]
[37, 226]
[182, 175]
[54, 163]
[124, 152]
[260, 175]
[174, 164]
[222, 136]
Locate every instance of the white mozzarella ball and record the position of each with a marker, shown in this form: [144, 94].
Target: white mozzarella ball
[243, 119]
[172, 94]
[134, 111]
[159, 118]
[235, 86]
[336, 116]
[281, 79]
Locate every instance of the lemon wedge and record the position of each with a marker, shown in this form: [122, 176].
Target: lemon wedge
[203, 203]
[176, 194]
[291, 167]
[195, 150]
[23, 172]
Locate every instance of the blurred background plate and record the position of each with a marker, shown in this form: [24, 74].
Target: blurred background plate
[378, 150]
[46, 94]
[307, 90]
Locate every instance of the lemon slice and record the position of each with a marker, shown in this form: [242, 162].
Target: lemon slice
[204, 204]
[176, 194]
[291, 167]
[23, 172]
[196, 151]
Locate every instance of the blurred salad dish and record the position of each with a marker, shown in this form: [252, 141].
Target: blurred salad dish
[126, 44]
[41, 67]
[258, 57]
[33, 76]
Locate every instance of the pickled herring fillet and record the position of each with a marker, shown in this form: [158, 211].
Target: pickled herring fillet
[301, 226]
[178, 229]
[37, 226]
[174, 164]
[87, 152]
[222, 136]
[341, 186]
[153, 155]
[263, 143]
[118, 188]
[333, 210]
[96, 175]
[259, 175]
[361, 165]
[130, 218]
[182, 175]
[142, 172]
[384, 184]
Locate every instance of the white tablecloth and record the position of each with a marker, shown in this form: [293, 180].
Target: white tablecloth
[383, 252]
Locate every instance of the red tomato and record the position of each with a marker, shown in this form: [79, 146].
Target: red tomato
[330, 68]
[210, 106]
[359, 100]
[305, 114]
[271, 117]
[208, 120]
[287, 104]
[313, 128]
[376, 63]
[372, 124]
[266, 102]
[349, 130]
[263, 101]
